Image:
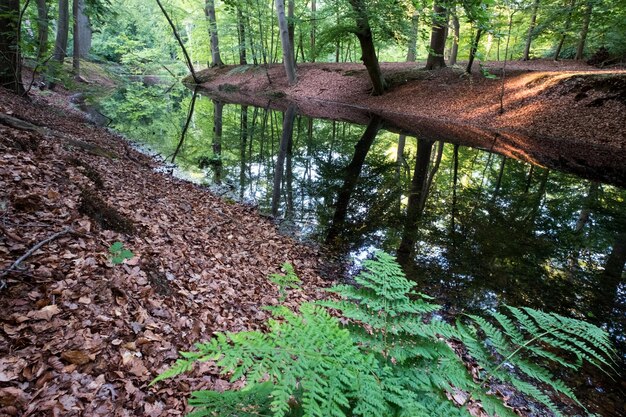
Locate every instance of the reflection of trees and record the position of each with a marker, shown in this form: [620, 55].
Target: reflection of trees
[284, 148]
[352, 173]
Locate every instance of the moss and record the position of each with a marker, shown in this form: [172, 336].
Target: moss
[106, 216]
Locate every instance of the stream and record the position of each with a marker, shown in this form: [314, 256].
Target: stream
[475, 224]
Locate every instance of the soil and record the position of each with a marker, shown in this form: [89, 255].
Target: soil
[556, 114]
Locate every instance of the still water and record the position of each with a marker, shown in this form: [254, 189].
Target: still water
[474, 228]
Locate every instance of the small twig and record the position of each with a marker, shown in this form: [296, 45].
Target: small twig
[215, 226]
[31, 251]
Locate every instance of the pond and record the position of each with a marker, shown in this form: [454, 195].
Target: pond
[476, 226]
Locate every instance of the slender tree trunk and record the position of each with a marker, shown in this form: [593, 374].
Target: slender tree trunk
[414, 211]
[63, 27]
[42, 29]
[180, 43]
[313, 29]
[209, 11]
[473, 50]
[585, 29]
[288, 59]
[192, 107]
[455, 43]
[431, 176]
[10, 56]
[368, 50]
[531, 30]
[411, 55]
[437, 38]
[76, 40]
[241, 31]
[455, 181]
[496, 191]
[351, 177]
[291, 28]
[566, 28]
[285, 138]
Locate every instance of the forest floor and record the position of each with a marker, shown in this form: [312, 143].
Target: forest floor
[81, 336]
[564, 103]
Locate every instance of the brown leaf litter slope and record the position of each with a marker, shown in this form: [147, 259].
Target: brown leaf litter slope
[80, 336]
[565, 100]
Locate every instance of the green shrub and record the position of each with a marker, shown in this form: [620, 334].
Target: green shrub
[392, 358]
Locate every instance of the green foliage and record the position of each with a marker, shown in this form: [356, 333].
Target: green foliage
[392, 359]
[119, 254]
[287, 280]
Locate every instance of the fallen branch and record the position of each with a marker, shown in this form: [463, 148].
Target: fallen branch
[30, 252]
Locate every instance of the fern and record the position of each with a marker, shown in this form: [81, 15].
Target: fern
[391, 359]
[285, 281]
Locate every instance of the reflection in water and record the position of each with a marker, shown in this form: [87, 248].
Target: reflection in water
[474, 228]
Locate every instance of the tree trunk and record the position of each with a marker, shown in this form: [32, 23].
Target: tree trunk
[209, 11]
[84, 30]
[414, 211]
[63, 27]
[566, 28]
[42, 30]
[180, 42]
[437, 38]
[241, 31]
[192, 107]
[313, 29]
[243, 126]
[531, 29]
[412, 52]
[455, 43]
[352, 173]
[473, 50]
[10, 56]
[285, 138]
[288, 59]
[585, 29]
[76, 40]
[368, 51]
[291, 28]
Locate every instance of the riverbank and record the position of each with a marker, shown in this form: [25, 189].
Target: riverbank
[81, 336]
[565, 101]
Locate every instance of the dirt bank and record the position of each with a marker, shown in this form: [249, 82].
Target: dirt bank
[81, 336]
[568, 101]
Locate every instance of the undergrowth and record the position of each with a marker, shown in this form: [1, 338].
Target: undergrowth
[388, 354]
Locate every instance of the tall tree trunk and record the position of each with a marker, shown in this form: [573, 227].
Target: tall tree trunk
[180, 42]
[84, 30]
[313, 29]
[412, 52]
[10, 56]
[585, 29]
[473, 50]
[76, 40]
[368, 51]
[63, 27]
[352, 173]
[288, 59]
[291, 28]
[285, 138]
[414, 211]
[42, 30]
[566, 28]
[455, 42]
[531, 30]
[241, 31]
[209, 11]
[218, 112]
[437, 38]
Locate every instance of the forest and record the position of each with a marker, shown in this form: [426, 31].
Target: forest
[313, 208]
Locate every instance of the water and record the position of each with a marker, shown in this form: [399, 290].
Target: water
[475, 228]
